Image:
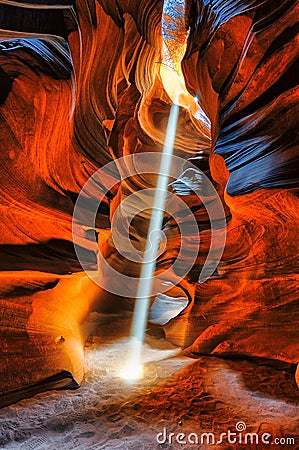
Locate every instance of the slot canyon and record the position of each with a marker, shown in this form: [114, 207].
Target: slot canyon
[91, 94]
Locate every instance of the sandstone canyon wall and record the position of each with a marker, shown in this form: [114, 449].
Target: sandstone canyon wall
[81, 86]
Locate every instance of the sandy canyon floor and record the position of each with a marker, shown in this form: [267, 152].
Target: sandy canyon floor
[177, 395]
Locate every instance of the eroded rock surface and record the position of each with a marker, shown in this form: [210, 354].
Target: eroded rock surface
[81, 86]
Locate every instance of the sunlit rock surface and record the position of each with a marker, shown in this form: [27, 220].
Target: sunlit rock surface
[81, 85]
[241, 62]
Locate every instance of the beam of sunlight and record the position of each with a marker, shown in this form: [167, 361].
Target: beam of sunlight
[133, 368]
[174, 43]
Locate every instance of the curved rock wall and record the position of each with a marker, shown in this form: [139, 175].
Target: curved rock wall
[241, 60]
[82, 86]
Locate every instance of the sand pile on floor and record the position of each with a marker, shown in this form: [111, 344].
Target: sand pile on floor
[177, 394]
